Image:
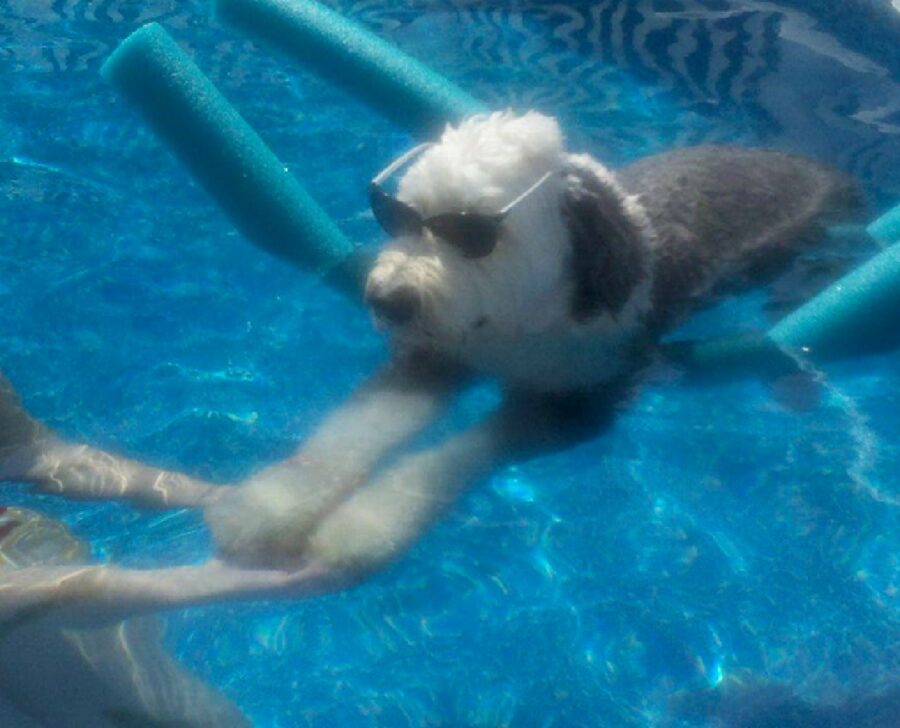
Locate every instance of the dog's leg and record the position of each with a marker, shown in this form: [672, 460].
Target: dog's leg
[381, 520]
[265, 521]
[31, 452]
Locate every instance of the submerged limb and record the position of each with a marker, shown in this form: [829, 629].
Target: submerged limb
[266, 519]
[90, 595]
[21, 435]
[81, 472]
[384, 518]
[33, 453]
[120, 670]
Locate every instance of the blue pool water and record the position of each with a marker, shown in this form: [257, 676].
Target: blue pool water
[714, 539]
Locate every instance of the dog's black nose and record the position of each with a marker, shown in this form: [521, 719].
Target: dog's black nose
[395, 306]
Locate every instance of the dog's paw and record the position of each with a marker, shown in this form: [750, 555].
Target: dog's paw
[381, 520]
[266, 520]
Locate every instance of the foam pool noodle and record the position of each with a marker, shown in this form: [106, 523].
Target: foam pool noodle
[886, 228]
[228, 158]
[857, 315]
[398, 86]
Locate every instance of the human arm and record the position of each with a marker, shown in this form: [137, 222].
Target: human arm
[33, 453]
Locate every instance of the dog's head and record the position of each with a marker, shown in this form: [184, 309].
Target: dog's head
[569, 253]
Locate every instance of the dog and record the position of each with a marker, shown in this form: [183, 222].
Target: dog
[590, 266]
[509, 258]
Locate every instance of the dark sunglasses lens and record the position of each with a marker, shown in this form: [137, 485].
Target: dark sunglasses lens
[472, 235]
[395, 217]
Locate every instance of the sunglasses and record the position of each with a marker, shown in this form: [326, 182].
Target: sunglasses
[472, 234]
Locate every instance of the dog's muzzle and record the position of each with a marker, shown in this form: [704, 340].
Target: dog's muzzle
[394, 306]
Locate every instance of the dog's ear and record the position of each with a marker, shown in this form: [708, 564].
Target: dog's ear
[605, 239]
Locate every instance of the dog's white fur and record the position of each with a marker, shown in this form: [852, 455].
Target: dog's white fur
[507, 314]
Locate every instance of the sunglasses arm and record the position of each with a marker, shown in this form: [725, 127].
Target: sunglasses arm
[384, 174]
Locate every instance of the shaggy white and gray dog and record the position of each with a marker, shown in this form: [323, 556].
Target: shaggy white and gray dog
[589, 267]
[513, 259]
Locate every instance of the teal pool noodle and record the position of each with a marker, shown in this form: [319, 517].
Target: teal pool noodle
[886, 228]
[401, 88]
[857, 315]
[265, 202]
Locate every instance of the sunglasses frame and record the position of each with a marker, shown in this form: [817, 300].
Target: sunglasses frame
[472, 234]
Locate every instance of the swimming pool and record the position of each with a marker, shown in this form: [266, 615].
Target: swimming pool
[713, 536]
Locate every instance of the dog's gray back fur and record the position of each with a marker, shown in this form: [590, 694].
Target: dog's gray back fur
[725, 216]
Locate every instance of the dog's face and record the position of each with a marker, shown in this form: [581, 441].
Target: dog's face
[431, 295]
[426, 290]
